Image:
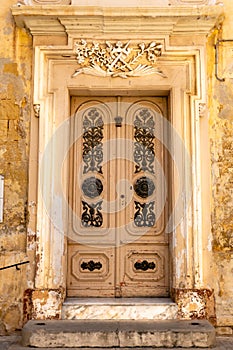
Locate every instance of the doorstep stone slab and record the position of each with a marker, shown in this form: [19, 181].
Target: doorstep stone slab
[20, 347]
[222, 343]
[119, 309]
[118, 333]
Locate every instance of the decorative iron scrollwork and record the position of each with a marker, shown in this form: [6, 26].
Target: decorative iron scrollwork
[144, 153]
[144, 187]
[91, 265]
[91, 215]
[144, 215]
[92, 187]
[144, 265]
[92, 141]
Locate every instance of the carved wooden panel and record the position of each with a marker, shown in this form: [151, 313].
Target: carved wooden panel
[117, 195]
[47, 2]
[89, 189]
[149, 3]
[192, 2]
[145, 270]
[90, 271]
[144, 125]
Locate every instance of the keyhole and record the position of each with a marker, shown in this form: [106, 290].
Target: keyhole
[118, 121]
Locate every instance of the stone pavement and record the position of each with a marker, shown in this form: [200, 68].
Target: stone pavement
[13, 343]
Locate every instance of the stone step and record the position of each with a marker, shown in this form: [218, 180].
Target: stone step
[225, 345]
[118, 334]
[119, 309]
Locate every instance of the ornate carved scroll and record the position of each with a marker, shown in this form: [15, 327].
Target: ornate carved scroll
[36, 108]
[144, 215]
[144, 141]
[92, 141]
[117, 59]
[91, 216]
[202, 109]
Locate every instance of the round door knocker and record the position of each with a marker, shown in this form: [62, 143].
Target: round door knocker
[92, 187]
[144, 187]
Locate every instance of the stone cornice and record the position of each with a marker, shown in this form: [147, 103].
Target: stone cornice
[74, 20]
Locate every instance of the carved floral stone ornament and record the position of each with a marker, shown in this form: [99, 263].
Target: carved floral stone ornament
[117, 59]
[36, 108]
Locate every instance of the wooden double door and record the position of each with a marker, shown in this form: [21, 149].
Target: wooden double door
[117, 246]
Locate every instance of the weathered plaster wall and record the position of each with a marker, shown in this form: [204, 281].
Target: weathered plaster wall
[15, 90]
[221, 138]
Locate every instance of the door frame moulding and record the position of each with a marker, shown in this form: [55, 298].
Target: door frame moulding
[76, 20]
[185, 85]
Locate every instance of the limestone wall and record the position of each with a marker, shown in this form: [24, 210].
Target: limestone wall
[15, 95]
[221, 138]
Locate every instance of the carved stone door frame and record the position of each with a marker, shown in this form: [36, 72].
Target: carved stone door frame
[183, 80]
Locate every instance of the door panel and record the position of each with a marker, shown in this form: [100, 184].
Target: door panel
[143, 270]
[117, 195]
[91, 271]
[91, 190]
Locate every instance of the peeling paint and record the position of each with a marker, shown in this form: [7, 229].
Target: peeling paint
[15, 91]
[27, 305]
[31, 239]
[195, 304]
[221, 149]
[180, 263]
[47, 304]
[209, 245]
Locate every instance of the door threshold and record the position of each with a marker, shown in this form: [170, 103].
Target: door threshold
[119, 308]
[118, 301]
